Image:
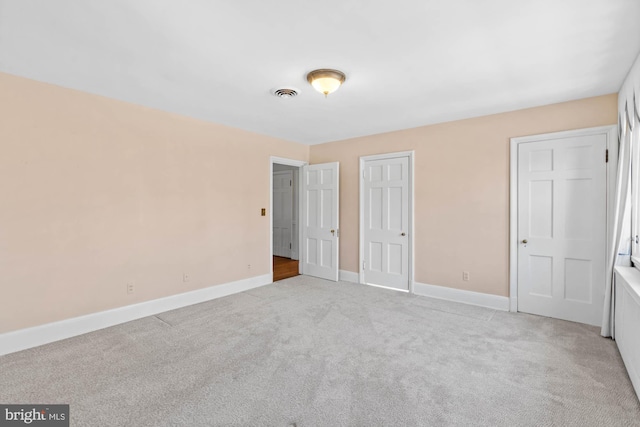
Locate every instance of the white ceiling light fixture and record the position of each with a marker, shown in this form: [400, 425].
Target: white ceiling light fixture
[326, 81]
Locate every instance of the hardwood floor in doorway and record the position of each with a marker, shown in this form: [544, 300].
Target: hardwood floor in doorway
[283, 268]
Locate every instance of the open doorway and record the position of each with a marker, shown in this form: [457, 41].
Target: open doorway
[285, 221]
[315, 209]
[285, 217]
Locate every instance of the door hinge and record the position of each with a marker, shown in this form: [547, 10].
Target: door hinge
[289, 245]
[364, 263]
[289, 183]
[606, 156]
[363, 174]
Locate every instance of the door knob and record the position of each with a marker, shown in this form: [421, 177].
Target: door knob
[333, 231]
[525, 241]
[403, 234]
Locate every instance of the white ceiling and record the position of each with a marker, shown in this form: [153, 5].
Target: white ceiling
[408, 63]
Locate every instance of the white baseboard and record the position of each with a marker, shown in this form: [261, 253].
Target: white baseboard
[22, 339]
[349, 276]
[458, 295]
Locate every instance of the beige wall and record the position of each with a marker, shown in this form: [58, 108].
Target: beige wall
[461, 188]
[95, 193]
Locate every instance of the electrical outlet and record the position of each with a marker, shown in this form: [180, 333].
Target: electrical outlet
[185, 277]
[131, 288]
[465, 276]
[248, 266]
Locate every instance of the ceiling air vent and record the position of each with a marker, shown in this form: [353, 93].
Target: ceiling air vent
[285, 93]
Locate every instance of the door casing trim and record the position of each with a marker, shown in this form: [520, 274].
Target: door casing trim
[363, 160]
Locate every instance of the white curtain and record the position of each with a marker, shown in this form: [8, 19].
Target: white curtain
[621, 197]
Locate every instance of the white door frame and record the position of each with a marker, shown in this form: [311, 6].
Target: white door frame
[612, 148]
[363, 160]
[289, 162]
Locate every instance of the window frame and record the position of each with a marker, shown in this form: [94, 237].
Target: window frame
[634, 141]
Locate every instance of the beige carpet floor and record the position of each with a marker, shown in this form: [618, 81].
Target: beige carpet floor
[307, 352]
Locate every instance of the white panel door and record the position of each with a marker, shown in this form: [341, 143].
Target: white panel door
[386, 223]
[320, 220]
[282, 213]
[562, 228]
